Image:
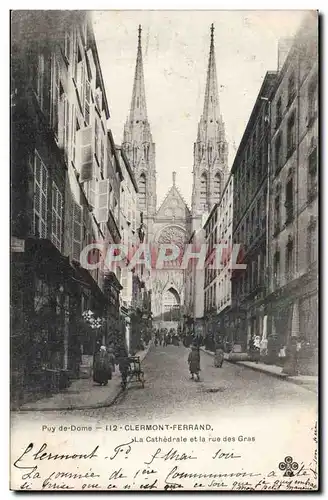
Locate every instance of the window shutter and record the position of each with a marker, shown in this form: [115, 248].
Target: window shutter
[47, 87]
[40, 197]
[67, 121]
[86, 154]
[73, 134]
[91, 192]
[99, 99]
[81, 82]
[55, 96]
[103, 200]
[87, 101]
[57, 204]
[64, 122]
[96, 139]
[77, 231]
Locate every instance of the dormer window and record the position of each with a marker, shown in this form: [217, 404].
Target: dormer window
[291, 88]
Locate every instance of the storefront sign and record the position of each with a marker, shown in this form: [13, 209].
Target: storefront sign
[17, 245]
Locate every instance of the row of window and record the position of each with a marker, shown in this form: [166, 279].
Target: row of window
[311, 255]
[208, 151]
[204, 192]
[128, 207]
[289, 203]
[225, 221]
[248, 179]
[253, 224]
[135, 152]
[82, 232]
[312, 97]
[210, 296]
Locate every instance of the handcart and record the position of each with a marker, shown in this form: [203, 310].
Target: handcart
[135, 372]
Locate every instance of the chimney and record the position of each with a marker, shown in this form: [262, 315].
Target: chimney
[284, 46]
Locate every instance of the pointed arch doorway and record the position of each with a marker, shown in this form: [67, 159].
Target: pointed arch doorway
[171, 307]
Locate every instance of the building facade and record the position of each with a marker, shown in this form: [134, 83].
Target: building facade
[293, 280]
[217, 282]
[250, 195]
[210, 174]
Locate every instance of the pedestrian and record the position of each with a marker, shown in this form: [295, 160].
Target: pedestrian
[101, 367]
[254, 348]
[194, 362]
[219, 353]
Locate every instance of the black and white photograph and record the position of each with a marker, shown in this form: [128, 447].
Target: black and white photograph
[164, 236]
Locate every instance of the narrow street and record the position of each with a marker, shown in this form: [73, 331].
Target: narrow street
[170, 393]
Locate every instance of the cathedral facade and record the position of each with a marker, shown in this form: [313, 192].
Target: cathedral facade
[173, 222]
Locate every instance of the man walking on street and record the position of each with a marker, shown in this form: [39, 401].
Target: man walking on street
[194, 362]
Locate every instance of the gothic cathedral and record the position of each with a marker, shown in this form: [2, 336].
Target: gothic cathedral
[173, 221]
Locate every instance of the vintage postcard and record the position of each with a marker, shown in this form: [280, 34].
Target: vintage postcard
[164, 250]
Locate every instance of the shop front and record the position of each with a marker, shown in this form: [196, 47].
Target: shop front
[41, 333]
[293, 316]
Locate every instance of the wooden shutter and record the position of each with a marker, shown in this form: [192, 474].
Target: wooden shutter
[103, 200]
[99, 99]
[40, 197]
[73, 134]
[67, 45]
[67, 121]
[92, 68]
[64, 122]
[81, 81]
[55, 95]
[46, 91]
[86, 154]
[77, 231]
[96, 144]
[102, 156]
[57, 204]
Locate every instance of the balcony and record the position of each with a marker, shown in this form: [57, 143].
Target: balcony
[290, 150]
[289, 214]
[112, 227]
[312, 193]
[311, 119]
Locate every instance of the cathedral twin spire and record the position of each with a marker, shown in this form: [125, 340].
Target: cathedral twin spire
[211, 111]
[138, 109]
[210, 149]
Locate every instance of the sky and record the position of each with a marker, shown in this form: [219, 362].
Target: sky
[175, 54]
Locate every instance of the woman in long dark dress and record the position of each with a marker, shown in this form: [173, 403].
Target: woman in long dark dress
[102, 367]
[219, 353]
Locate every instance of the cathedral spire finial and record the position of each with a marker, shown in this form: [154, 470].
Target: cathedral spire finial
[211, 111]
[174, 174]
[139, 36]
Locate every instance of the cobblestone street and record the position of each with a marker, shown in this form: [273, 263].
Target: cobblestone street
[170, 393]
